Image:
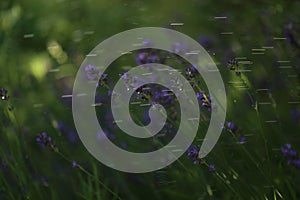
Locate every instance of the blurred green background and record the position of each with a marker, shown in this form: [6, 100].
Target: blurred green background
[43, 43]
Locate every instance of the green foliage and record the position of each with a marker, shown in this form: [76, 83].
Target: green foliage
[42, 44]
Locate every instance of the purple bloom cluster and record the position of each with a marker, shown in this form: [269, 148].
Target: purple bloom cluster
[130, 81]
[45, 141]
[69, 132]
[74, 164]
[230, 126]
[233, 65]
[290, 36]
[290, 155]
[94, 75]
[145, 58]
[190, 72]
[143, 93]
[3, 94]
[193, 152]
[212, 168]
[205, 100]
[163, 97]
[179, 48]
[206, 42]
[295, 114]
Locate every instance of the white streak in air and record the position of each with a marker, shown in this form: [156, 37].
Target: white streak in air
[220, 17]
[89, 32]
[147, 74]
[293, 102]
[264, 103]
[271, 121]
[285, 67]
[192, 119]
[124, 53]
[177, 150]
[267, 47]
[170, 146]
[257, 53]
[226, 33]
[146, 104]
[258, 49]
[246, 62]
[96, 104]
[54, 70]
[91, 55]
[213, 70]
[38, 105]
[245, 70]
[192, 53]
[31, 35]
[283, 61]
[241, 86]
[67, 96]
[292, 76]
[137, 45]
[82, 94]
[168, 94]
[177, 24]
[233, 82]
[263, 89]
[279, 38]
[134, 103]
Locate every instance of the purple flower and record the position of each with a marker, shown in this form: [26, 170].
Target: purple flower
[193, 152]
[212, 168]
[44, 181]
[45, 141]
[147, 43]
[131, 82]
[206, 42]
[288, 152]
[74, 164]
[242, 139]
[141, 58]
[295, 114]
[233, 65]
[91, 72]
[3, 94]
[144, 58]
[190, 72]
[111, 125]
[70, 133]
[143, 93]
[204, 99]
[290, 155]
[296, 163]
[104, 135]
[94, 75]
[290, 36]
[179, 48]
[124, 145]
[232, 127]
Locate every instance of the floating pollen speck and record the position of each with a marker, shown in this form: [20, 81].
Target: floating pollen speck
[3, 94]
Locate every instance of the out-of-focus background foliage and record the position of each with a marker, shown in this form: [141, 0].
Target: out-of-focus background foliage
[43, 43]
